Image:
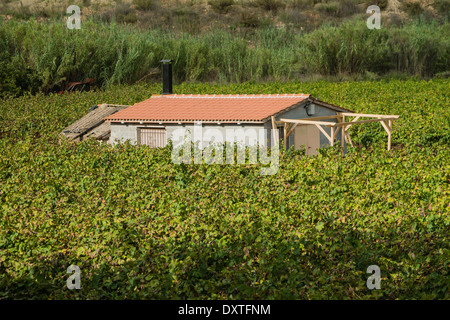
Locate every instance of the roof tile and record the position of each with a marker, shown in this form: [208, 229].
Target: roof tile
[232, 107]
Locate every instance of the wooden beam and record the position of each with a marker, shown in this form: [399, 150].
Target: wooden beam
[339, 117]
[383, 123]
[347, 136]
[285, 132]
[324, 132]
[344, 133]
[369, 115]
[288, 127]
[307, 122]
[389, 125]
[336, 131]
[292, 129]
[318, 118]
[361, 121]
[332, 137]
[356, 119]
[275, 130]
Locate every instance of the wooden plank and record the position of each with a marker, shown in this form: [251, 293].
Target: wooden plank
[275, 130]
[361, 121]
[307, 122]
[318, 118]
[384, 126]
[356, 119]
[288, 127]
[389, 134]
[332, 137]
[369, 115]
[324, 132]
[336, 131]
[344, 133]
[292, 129]
[287, 131]
[274, 123]
[347, 136]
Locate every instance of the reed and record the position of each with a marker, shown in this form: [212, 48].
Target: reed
[44, 56]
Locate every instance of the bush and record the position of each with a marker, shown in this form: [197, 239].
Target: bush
[269, 5]
[412, 7]
[443, 7]
[330, 8]
[348, 8]
[338, 9]
[382, 4]
[297, 18]
[221, 6]
[144, 5]
[302, 4]
[250, 19]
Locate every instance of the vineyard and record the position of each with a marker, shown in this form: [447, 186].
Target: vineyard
[141, 227]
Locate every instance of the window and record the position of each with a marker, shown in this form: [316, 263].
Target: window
[153, 137]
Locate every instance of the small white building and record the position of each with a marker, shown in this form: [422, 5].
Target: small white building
[297, 119]
[154, 121]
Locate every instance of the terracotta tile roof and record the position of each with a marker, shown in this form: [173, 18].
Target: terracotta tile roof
[226, 108]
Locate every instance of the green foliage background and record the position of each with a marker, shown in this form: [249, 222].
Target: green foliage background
[140, 227]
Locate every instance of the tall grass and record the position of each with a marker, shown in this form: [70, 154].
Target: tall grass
[38, 56]
[416, 49]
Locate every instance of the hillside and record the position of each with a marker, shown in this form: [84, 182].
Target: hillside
[200, 15]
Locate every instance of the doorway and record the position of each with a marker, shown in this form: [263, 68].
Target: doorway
[308, 136]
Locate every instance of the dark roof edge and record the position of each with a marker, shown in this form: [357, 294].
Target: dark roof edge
[295, 105]
[309, 99]
[330, 106]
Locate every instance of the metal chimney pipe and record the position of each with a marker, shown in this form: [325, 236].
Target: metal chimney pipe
[167, 76]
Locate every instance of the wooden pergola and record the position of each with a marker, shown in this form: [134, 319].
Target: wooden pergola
[341, 124]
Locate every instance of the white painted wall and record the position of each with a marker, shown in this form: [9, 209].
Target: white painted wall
[247, 133]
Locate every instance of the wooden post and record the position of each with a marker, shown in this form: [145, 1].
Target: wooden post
[389, 134]
[340, 119]
[291, 129]
[285, 133]
[332, 136]
[347, 135]
[275, 131]
[323, 131]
